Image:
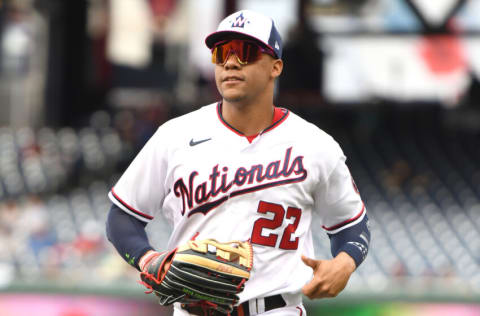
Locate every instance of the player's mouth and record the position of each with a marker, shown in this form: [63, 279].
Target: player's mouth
[232, 79]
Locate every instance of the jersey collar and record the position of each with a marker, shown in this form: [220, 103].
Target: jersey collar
[279, 116]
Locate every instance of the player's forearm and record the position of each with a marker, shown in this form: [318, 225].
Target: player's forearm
[353, 241]
[128, 236]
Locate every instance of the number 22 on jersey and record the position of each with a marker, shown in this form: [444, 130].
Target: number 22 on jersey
[279, 215]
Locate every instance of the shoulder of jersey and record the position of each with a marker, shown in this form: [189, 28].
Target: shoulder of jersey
[318, 139]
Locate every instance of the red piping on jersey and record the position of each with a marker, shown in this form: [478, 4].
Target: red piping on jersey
[279, 115]
[301, 312]
[129, 207]
[347, 221]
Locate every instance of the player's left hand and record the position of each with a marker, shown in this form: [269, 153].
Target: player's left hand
[201, 274]
[329, 276]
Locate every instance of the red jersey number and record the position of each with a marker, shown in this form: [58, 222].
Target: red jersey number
[278, 217]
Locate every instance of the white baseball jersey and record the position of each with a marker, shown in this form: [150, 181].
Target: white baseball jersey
[209, 179]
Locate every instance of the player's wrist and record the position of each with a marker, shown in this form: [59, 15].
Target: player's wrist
[146, 258]
[346, 261]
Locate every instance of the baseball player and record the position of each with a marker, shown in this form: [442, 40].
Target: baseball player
[244, 169]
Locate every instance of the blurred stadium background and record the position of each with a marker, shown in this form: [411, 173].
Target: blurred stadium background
[83, 85]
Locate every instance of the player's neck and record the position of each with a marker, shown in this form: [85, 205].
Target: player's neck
[250, 119]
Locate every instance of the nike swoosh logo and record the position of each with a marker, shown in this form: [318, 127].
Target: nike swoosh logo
[195, 143]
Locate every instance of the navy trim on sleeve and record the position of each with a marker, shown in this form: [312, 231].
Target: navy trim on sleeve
[353, 240]
[123, 205]
[128, 235]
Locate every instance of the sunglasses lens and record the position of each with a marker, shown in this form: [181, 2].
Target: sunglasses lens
[246, 52]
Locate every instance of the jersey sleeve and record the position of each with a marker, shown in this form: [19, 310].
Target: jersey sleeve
[140, 190]
[337, 198]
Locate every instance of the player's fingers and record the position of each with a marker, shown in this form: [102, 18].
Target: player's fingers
[309, 289]
[309, 262]
[316, 289]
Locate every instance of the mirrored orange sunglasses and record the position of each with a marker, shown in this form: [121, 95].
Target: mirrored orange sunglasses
[245, 51]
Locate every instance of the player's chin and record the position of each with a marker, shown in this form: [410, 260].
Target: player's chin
[233, 96]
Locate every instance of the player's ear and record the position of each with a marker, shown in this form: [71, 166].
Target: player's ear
[277, 67]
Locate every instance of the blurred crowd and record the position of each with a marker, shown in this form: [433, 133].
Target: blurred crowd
[53, 206]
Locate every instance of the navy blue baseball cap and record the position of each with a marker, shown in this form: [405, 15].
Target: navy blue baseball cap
[251, 25]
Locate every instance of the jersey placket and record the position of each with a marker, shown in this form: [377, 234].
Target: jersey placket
[247, 141]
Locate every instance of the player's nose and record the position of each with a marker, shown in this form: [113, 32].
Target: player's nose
[232, 61]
